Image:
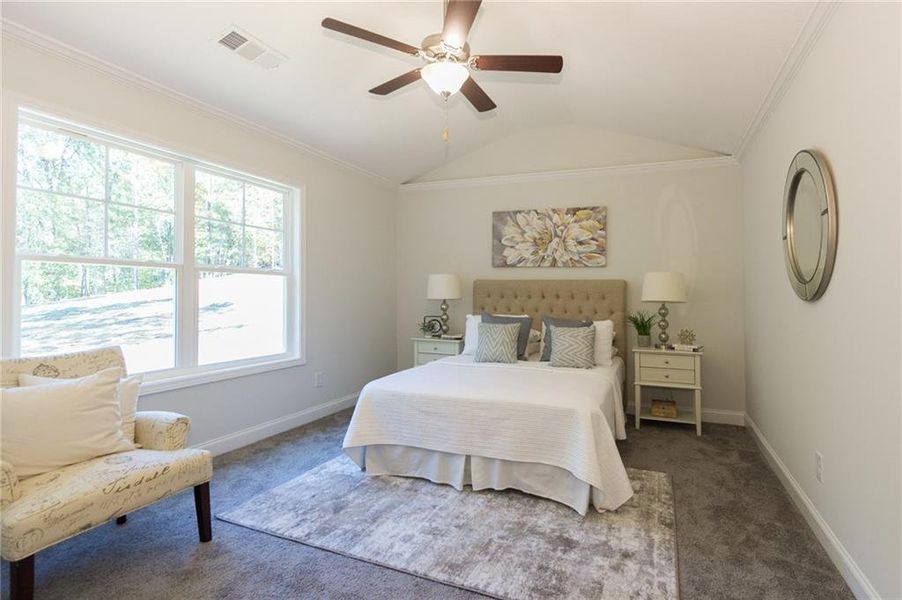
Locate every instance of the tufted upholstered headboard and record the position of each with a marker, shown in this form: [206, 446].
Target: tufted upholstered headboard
[596, 299]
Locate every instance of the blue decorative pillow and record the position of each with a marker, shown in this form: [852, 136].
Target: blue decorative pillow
[548, 322]
[573, 347]
[497, 343]
[525, 327]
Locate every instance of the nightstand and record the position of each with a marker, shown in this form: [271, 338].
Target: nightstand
[429, 349]
[669, 369]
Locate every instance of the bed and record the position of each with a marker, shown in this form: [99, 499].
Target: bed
[545, 431]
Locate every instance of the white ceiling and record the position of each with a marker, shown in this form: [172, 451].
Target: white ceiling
[692, 74]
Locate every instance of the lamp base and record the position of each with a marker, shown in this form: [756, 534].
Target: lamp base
[663, 336]
[444, 317]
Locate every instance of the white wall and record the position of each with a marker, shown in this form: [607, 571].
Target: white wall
[350, 246]
[685, 220]
[824, 376]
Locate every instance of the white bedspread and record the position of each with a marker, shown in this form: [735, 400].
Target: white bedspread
[525, 412]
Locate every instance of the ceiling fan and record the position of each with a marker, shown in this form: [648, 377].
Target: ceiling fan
[448, 59]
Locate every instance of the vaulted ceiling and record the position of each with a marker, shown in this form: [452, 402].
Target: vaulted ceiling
[689, 74]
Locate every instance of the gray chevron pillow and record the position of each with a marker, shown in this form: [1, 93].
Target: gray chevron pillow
[573, 347]
[497, 343]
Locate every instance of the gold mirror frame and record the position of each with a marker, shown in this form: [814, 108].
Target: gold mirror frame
[814, 164]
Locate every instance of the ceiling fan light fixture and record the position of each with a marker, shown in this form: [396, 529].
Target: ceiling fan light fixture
[445, 77]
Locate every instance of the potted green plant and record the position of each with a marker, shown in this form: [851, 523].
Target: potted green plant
[643, 322]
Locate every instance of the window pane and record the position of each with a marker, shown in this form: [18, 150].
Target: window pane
[53, 224]
[217, 243]
[240, 316]
[264, 248]
[55, 162]
[140, 180]
[67, 307]
[263, 207]
[218, 197]
[141, 234]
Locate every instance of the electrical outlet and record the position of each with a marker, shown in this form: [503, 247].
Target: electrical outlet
[318, 379]
[819, 466]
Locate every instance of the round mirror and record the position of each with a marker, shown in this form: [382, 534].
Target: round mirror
[809, 225]
[806, 226]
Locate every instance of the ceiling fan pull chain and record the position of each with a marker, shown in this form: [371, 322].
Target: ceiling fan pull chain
[445, 130]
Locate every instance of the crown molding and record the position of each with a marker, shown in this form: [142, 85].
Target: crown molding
[53, 47]
[671, 165]
[811, 31]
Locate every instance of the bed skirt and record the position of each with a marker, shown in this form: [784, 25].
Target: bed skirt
[481, 473]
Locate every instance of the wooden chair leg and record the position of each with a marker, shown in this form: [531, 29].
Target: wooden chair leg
[202, 506]
[121, 520]
[21, 579]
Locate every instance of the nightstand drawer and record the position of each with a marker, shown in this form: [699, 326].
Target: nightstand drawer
[661, 361]
[444, 347]
[667, 375]
[427, 357]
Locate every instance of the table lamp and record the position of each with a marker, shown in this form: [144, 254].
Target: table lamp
[663, 287]
[443, 287]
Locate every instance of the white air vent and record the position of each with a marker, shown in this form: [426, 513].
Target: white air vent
[247, 47]
[232, 40]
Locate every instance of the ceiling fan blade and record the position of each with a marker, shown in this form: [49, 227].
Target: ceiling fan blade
[369, 36]
[397, 83]
[514, 62]
[477, 97]
[459, 17]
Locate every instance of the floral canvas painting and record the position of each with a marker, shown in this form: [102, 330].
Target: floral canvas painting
[550, 237]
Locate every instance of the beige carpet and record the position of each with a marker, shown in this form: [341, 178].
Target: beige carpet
[503, 544]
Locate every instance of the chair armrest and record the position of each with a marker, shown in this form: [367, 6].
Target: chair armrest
[9, 483]
[161, 430]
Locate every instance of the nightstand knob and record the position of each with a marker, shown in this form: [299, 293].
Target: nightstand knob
[435, 348]
[666, 362]
[666, 376]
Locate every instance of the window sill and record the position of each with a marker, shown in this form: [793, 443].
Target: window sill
[159, 383]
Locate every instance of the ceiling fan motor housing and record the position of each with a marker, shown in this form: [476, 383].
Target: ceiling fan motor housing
[434, 49]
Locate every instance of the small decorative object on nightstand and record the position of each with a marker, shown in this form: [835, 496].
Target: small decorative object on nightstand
[643, 322]
[443, 287]
[663, 287]
[426, 350]
[686, 337]
[669, 369]
[431, 326]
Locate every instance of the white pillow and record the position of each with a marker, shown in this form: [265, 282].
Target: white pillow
[604, 342]
[471, 332]
[126, 392]
[46, 427]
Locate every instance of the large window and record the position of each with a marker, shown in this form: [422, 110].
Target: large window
[185, 265]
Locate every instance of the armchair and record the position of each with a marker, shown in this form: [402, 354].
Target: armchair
[40, 511]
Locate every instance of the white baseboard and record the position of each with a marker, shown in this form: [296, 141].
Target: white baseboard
[847, 566]
[713, 415]
[723, 416]
[244, 437]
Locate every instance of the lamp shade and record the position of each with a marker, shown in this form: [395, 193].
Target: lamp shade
[443, 287]
[664, 287]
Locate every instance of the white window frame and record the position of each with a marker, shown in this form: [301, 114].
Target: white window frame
[186, 372]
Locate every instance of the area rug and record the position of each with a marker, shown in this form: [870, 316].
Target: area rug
[502, 544]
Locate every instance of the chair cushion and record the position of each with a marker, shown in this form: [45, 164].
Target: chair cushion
[57, 505]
